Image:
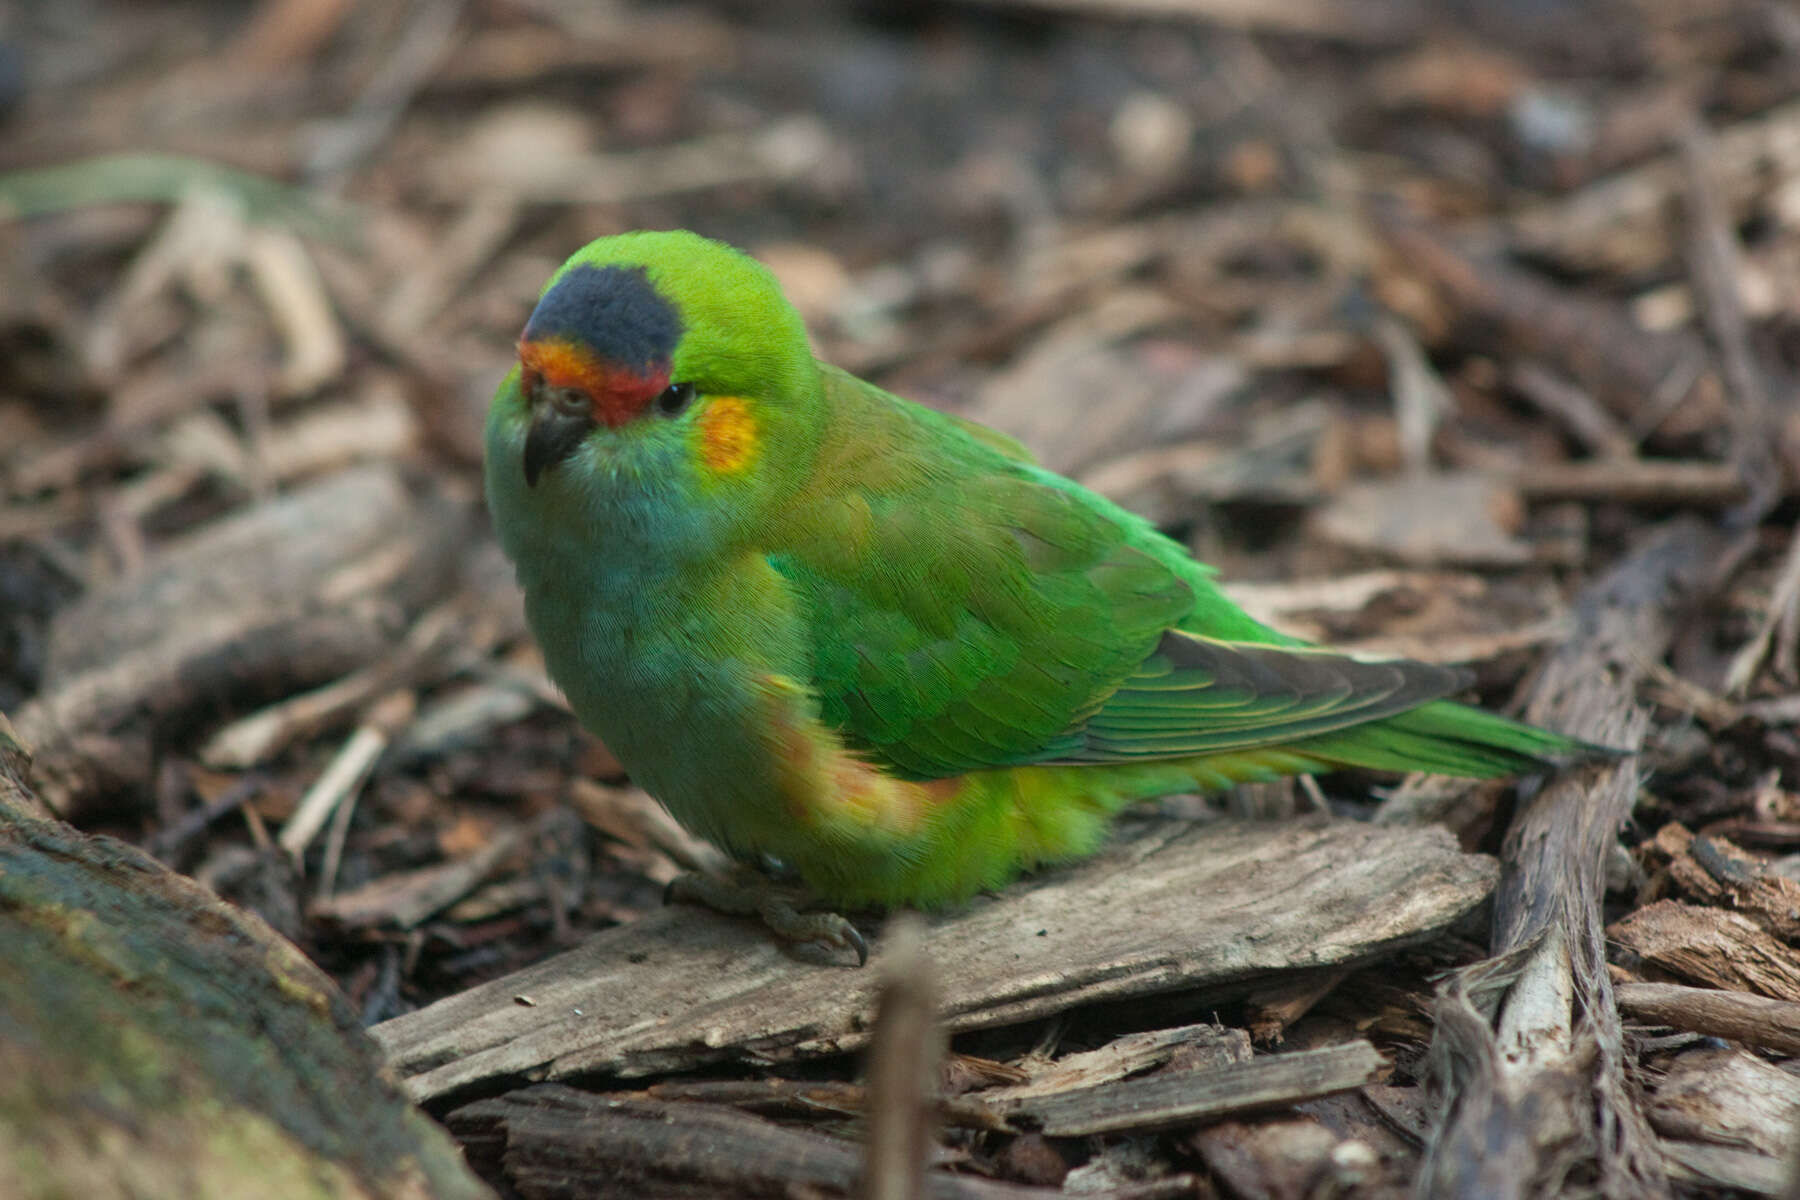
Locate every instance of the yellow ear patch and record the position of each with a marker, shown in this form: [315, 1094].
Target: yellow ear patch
[728, 435]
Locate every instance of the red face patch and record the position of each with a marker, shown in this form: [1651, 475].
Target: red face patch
[618, 393]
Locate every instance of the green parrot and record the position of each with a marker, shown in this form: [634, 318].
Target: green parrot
[874, 642]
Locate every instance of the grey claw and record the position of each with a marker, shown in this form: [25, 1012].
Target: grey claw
[858, 944]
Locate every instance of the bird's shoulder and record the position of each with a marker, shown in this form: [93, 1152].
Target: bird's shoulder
[965, 607]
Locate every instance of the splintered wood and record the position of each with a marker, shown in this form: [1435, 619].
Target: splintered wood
[1529, 1050]
[1178, 908]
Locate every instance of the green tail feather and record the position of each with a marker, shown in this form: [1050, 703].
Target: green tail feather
[1446, 738]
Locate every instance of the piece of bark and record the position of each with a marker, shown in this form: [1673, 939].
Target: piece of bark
[1170, 1099]
[1776, 641]
[406, 899]
[552, 1142]
[16, 795]
[1731, 1098]
[1710, 870]
[1038, 398]
[1166, 481]
[1533, 1097]
[1184, 1049]
[684, 987]
[1716, 268]
[1351, 1117]
[1372, 22]
[260, 604]
[1272, 1009]
[1735, 1016]
[1710, 946]
[1599, 431]
[1406, 1111]
[162, 1043]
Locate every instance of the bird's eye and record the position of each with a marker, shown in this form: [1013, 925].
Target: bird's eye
[674, 399]
[572, 401]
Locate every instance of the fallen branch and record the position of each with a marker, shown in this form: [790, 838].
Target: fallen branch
[1529, 1050]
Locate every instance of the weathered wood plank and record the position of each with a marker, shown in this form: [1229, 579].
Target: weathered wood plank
[1170, 906]
[1176, 1098]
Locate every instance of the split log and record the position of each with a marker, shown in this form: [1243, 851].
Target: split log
[162, 1043]
[1206, 908]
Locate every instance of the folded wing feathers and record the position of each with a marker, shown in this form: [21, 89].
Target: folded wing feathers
[1195, 695]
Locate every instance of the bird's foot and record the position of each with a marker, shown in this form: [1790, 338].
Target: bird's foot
[749, 895]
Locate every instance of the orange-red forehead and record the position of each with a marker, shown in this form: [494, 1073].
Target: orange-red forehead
[618, 393]
[563, 363]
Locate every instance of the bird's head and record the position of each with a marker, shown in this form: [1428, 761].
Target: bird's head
[664, 393]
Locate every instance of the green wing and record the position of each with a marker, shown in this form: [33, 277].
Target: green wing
[1197, 695]
[967, 609]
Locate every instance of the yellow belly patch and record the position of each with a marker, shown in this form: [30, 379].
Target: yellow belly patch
[728, 435]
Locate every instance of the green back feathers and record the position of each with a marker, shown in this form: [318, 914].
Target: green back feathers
[968, 610]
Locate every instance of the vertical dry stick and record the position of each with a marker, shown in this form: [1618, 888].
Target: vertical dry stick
[1541, 1103]
[904, 1056]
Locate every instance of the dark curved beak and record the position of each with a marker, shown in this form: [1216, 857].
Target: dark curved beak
[553, 436]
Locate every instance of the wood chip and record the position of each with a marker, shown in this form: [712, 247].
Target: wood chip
[1711, 870]
[1533, 1089]
[406, 899]
[1703, 1165]
[1710, 946]
[1133, 1054]
[1730, 1098]
[1293, 1158]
